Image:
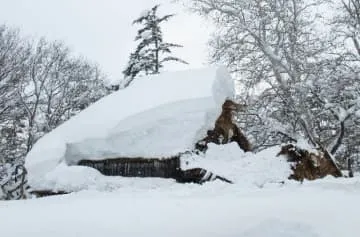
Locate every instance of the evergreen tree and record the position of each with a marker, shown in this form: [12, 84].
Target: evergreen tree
[151, 52]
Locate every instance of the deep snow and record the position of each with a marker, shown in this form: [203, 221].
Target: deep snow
[260, 203]
[161, 132]
[154, 207]
[141, 120]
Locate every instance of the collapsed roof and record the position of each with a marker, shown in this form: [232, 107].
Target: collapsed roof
[157, 116]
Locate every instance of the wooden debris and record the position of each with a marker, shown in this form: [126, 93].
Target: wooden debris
[309, 165]
[154, 167]
[46, 193]
[199, 176]
[226, 130]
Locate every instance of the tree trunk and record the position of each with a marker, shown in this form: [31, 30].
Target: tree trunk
[156, 57]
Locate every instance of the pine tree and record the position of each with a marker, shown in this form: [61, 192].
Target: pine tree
[151, 52]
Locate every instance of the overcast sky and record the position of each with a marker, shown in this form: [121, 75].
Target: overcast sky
[101, 30]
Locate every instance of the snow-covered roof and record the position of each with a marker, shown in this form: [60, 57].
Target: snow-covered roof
[156, 116]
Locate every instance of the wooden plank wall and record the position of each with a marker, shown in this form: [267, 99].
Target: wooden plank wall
[136, 167]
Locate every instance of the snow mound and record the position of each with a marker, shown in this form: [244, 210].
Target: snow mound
[156, 115]
[69, 179]
[245, 169]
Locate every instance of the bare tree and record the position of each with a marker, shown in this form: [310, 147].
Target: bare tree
[41, 85]
[346, 25]
[14, 52]
[55, 87]
[269, 42]
[284, 50]
[32, 87]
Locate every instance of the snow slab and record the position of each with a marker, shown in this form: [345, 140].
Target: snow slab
[145, 112]
[157, 133]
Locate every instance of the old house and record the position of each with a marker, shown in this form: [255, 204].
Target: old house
[139, 131]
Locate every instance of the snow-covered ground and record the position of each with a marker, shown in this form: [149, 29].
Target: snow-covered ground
[155, 207]
[161, 116]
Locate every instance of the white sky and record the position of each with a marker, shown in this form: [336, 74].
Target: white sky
[101, 30]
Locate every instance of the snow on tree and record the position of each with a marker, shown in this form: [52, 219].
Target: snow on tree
[286, 49]
[347, 22]
[270, 43]
[13, 54]
[345, 104]
[41, 86]
[152, 52]
[56, 87]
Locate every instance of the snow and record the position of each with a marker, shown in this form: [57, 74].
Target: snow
[342, 114]
[258, 204]
[275, 227]
[153, 207]
[175, 111]
[160, 116]
[357, 113]
[245, 169]
[305, 145]
[229, 161]
[167, 130]
[146, 35]
[144, 115]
